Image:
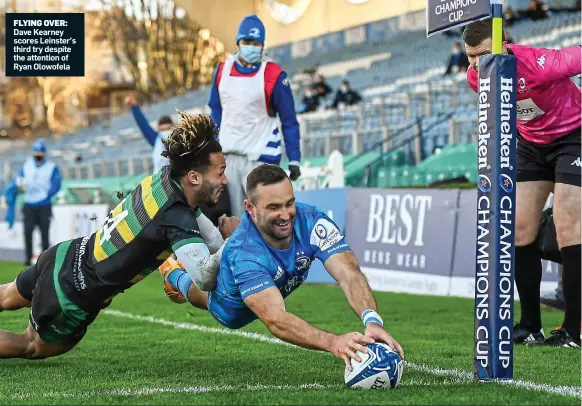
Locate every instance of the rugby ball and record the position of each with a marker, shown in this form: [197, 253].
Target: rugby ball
[381, 368]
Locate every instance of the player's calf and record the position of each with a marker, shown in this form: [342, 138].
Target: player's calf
[29, 345]
[197, 297]
[10, 297]
[179, 286]
[530, 199]
[567, 208]
[39, 349]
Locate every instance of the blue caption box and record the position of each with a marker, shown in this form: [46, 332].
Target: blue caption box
[45, 44]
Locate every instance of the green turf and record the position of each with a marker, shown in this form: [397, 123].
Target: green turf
[123, 361]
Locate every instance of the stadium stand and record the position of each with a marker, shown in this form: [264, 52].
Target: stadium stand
[414, 126]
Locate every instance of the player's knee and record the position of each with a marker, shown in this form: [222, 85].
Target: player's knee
[567, 221]
[2, 297]
[5, 301]
[568, 230]
[33, 350]
[525, 233]
[33, 347]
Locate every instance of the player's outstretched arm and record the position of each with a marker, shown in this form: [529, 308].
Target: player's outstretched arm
[269, 306]
[345, 269]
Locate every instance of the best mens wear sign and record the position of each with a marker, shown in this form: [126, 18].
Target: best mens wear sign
[442, 15]
[403, 239]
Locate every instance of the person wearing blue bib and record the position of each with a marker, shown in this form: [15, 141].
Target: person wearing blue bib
[268, 257]
[39, 179]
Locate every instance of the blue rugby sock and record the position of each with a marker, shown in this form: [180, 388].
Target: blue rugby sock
[181, 281]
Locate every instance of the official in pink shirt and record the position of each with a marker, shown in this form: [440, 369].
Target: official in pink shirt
[548, 159]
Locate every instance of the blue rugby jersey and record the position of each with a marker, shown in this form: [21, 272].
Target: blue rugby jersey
[250, 265]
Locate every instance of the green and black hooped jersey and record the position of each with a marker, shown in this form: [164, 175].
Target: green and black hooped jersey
[139, 234]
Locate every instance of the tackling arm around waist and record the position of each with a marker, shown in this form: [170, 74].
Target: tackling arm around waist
[200, 264]
[212, 237]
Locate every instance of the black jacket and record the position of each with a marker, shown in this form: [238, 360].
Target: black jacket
[348, 98]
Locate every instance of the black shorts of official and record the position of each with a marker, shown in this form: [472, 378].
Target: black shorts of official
[55, 318]
[558, 161]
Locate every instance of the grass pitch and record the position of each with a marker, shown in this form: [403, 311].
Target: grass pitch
[147, 350]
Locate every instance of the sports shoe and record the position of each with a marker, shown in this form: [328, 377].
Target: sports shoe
[559, 338]
[522, 335]
[551, 299]
[172, 293]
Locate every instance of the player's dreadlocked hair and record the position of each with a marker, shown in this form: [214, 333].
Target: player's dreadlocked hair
[192, 141]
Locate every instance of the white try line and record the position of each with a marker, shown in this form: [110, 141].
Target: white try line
[198, 390]
[193, 390]
[573, 391]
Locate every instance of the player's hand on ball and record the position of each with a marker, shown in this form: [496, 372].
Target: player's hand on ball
[377, 332]
[227, 225]
[345, 347]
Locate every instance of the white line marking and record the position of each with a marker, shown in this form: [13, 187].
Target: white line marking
[573, 391]
[204, 329]
[196, 390]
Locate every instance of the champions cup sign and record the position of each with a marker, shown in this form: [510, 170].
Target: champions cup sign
[442, 15]
[495, 218]
[494, 276]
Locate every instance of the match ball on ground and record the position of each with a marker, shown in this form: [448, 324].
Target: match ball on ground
[381, 368]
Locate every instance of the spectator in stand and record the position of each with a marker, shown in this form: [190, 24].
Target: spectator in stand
[322, 88]
[153, 137]
[39, 179]
[536, 10]
[458, 61]
[346, 96]
[509, 17]
[560, 7]
[310, 101]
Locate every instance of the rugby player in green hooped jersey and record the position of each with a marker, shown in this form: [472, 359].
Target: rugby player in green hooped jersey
[74, 280]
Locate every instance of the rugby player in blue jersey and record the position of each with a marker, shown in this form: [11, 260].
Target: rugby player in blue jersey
[268, 256]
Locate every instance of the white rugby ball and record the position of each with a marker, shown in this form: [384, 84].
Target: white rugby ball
[381, 368]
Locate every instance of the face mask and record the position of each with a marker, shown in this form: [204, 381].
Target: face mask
[38, 159]
[456, 51]
[344, 89]
[165, 134]
[251, 53]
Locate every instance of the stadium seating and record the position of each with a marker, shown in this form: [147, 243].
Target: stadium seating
[409, 106]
